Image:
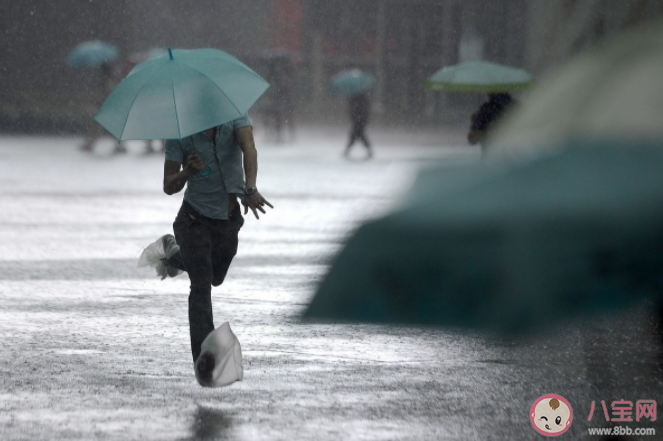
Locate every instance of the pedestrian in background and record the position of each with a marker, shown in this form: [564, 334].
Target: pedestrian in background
[282, 103]
[484, 118]
[359, 106]
[107, 81]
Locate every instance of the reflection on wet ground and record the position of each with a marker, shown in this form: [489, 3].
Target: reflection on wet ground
[209, 424]
[93, 348]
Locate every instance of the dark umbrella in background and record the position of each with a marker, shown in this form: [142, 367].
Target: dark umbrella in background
[509, 248]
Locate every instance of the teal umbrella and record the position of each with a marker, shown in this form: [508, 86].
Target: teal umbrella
[179, 94]
[509, 248]
[479, 76]
[92, 54]
[350, 82]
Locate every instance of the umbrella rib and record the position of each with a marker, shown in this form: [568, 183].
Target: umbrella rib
[235, 62]
[217, 86]
[140, 89]
[177, 118]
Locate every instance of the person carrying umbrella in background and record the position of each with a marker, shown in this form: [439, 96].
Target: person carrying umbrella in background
[355, 84]
[489, 112]
[496, 80]
[197, 100]
[359, 106]
[281, 108]
[102, 56]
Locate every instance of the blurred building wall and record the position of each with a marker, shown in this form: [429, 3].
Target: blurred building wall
[401, 42]
[35, 82]
[559, 29]
[40, 92]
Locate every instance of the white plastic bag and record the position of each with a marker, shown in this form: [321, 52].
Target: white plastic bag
[224, 347]
[154, 253]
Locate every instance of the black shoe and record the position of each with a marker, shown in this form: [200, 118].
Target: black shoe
[171, 271]
[171, 248]
[205, 366]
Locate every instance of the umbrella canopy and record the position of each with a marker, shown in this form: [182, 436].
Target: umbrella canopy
[350, 82]
[177, 95]
[613, 90]
[508, 249]
[479, 76]
[92, 54]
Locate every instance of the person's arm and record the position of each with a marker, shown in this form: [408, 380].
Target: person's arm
[253, 201]
[174, 177]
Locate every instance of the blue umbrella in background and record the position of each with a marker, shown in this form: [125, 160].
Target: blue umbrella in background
[92, 54]
[351, 82]
[510, 248]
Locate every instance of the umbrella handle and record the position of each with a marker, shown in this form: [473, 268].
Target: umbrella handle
[207, 173]
[209, 167]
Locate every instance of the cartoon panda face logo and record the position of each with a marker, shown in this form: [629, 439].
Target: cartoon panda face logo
[551, 415]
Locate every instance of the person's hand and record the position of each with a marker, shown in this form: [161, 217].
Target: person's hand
[194, 164]
[255, 202]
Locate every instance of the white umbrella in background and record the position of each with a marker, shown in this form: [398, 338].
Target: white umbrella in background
[479, 76]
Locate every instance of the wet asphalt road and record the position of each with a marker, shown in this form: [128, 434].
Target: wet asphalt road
[94, 348]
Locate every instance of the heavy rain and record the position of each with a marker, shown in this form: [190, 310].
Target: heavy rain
[331, 220]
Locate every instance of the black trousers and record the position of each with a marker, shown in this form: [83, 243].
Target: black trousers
[357, 132]
[207, 247]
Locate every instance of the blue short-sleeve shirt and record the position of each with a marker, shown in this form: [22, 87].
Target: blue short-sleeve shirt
[223, 174]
